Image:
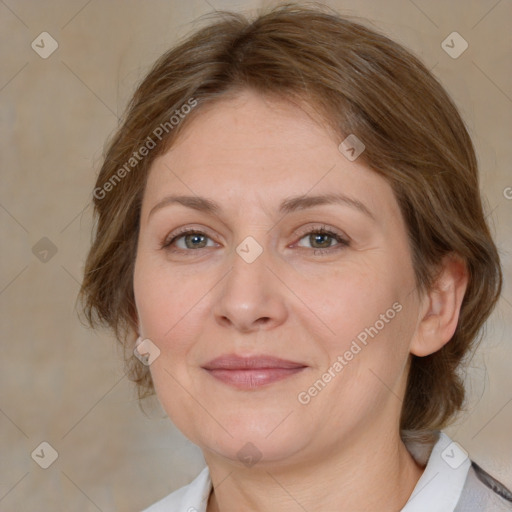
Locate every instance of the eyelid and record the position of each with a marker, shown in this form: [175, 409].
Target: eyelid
[179, 232]
[342, 241]
[305, 230]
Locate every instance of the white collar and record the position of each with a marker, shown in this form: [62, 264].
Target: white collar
[438, 489]
[440, 486]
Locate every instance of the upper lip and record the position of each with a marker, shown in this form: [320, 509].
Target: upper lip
[236, 362]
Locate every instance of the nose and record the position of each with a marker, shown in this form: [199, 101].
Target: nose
[250, 297]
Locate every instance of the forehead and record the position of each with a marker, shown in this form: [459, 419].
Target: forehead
[249, 125]
[251, 148]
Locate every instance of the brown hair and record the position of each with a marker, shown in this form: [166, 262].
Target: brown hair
[362, 83]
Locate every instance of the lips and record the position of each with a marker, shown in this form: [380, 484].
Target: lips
[251, 372]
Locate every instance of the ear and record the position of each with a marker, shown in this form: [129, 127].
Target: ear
[441, 307]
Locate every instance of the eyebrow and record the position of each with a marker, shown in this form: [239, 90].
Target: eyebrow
[289, 205]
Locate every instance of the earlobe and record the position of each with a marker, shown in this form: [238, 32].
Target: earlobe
[441, 307]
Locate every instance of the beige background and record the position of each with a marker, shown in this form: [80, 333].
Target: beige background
[64, 384]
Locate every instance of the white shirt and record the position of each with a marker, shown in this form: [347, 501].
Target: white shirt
[448, 484]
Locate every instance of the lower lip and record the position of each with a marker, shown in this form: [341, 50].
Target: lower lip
[254, 378]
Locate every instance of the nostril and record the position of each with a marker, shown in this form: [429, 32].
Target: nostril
[225, 320]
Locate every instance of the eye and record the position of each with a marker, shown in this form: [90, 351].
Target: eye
[188, 239]
[323, 240]
[320, 240]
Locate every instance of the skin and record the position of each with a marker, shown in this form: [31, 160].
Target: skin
[341, 451]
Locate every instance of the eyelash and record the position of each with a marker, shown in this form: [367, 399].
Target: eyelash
[342, 242]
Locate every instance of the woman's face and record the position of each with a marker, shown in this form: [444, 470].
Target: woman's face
[255, 279]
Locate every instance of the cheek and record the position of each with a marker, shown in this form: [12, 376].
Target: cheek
[365, 368]
[163, 298]
[169, 307]
[151, 303]
[366, 316]
[348, 300]
[173, 309]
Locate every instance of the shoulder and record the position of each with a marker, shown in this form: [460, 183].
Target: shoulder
[451, 481]
[190, 498]
[483, 492]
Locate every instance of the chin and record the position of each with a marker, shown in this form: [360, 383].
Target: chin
[248, 450]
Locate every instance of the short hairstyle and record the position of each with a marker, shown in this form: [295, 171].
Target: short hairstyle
[361, 83]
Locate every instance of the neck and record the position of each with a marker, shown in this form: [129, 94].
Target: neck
[362, 475]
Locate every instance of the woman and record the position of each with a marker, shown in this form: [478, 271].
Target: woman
[290, 239]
